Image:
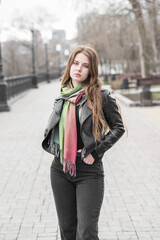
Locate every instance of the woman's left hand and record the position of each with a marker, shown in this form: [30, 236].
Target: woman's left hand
[89, 159]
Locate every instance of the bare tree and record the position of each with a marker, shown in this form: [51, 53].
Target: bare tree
[16, 58]
[115, 38]
[39, 21]
[144, 56]
[126, 34]
[153, 9]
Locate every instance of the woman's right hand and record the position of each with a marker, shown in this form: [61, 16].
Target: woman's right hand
[89, 159]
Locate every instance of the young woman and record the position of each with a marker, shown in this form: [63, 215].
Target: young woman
[84, 124]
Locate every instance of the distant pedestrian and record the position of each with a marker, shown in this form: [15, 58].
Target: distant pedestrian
[84, 124]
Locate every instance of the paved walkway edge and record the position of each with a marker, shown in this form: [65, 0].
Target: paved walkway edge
[126, 101]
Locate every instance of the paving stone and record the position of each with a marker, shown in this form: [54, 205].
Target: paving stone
[11, 236]
[47, 238]
[131, 206]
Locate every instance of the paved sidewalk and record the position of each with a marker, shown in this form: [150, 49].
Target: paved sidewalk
[131, 206]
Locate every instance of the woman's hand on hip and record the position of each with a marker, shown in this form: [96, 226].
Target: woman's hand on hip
[89, 159]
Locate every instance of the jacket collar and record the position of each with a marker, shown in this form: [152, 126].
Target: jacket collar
[84, 99]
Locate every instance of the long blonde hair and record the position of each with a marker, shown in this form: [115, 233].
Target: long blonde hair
[92, 87]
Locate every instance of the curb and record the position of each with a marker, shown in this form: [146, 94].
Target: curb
[126, 101]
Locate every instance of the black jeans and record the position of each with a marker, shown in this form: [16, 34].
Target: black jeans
[78, 199]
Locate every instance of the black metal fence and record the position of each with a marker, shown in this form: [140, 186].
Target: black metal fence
[17, 85]
[13, 86]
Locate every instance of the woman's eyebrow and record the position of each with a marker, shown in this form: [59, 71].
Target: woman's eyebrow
[78, 61]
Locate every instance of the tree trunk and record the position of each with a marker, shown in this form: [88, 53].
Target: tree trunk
[143, 50]
[152, 12]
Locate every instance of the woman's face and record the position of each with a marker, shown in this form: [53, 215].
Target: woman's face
[79, 70]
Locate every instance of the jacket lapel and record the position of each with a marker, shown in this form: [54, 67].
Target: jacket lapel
[55, 115]
[58, 106]
[86, 111]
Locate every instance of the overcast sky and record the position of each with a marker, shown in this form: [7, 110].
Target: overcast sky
[65, 12]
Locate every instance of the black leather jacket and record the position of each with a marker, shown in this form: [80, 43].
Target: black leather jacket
[111, 114]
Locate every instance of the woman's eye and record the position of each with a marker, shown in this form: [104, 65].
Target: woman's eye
[75, 63]
[86, 66]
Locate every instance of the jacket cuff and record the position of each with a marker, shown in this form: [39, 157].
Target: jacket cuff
[94, 154]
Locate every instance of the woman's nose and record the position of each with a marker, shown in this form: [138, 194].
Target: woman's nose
[79, 67]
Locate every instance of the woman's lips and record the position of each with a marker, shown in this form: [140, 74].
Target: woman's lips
[77, 74]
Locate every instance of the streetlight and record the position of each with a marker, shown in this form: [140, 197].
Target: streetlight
[46, 36]
[47, 65]
[66, 54]
[58, 49]
[34, 77]
[3, 86]
[1, 66]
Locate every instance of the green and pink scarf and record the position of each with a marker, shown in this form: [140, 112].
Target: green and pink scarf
[68, 127]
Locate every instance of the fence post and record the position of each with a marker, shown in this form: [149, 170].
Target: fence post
[47, 64]
[3, 96]
[146, 96]
[34, 76]
[3, 88]
[125, 84]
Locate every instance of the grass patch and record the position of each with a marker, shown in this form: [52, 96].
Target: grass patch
[156, 95]
[136, 96]
[133, 97]
[116, 84]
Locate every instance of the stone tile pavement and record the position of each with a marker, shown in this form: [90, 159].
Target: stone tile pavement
[131, 206]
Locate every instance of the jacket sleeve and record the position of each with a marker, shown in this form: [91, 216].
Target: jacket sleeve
[114, 120]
